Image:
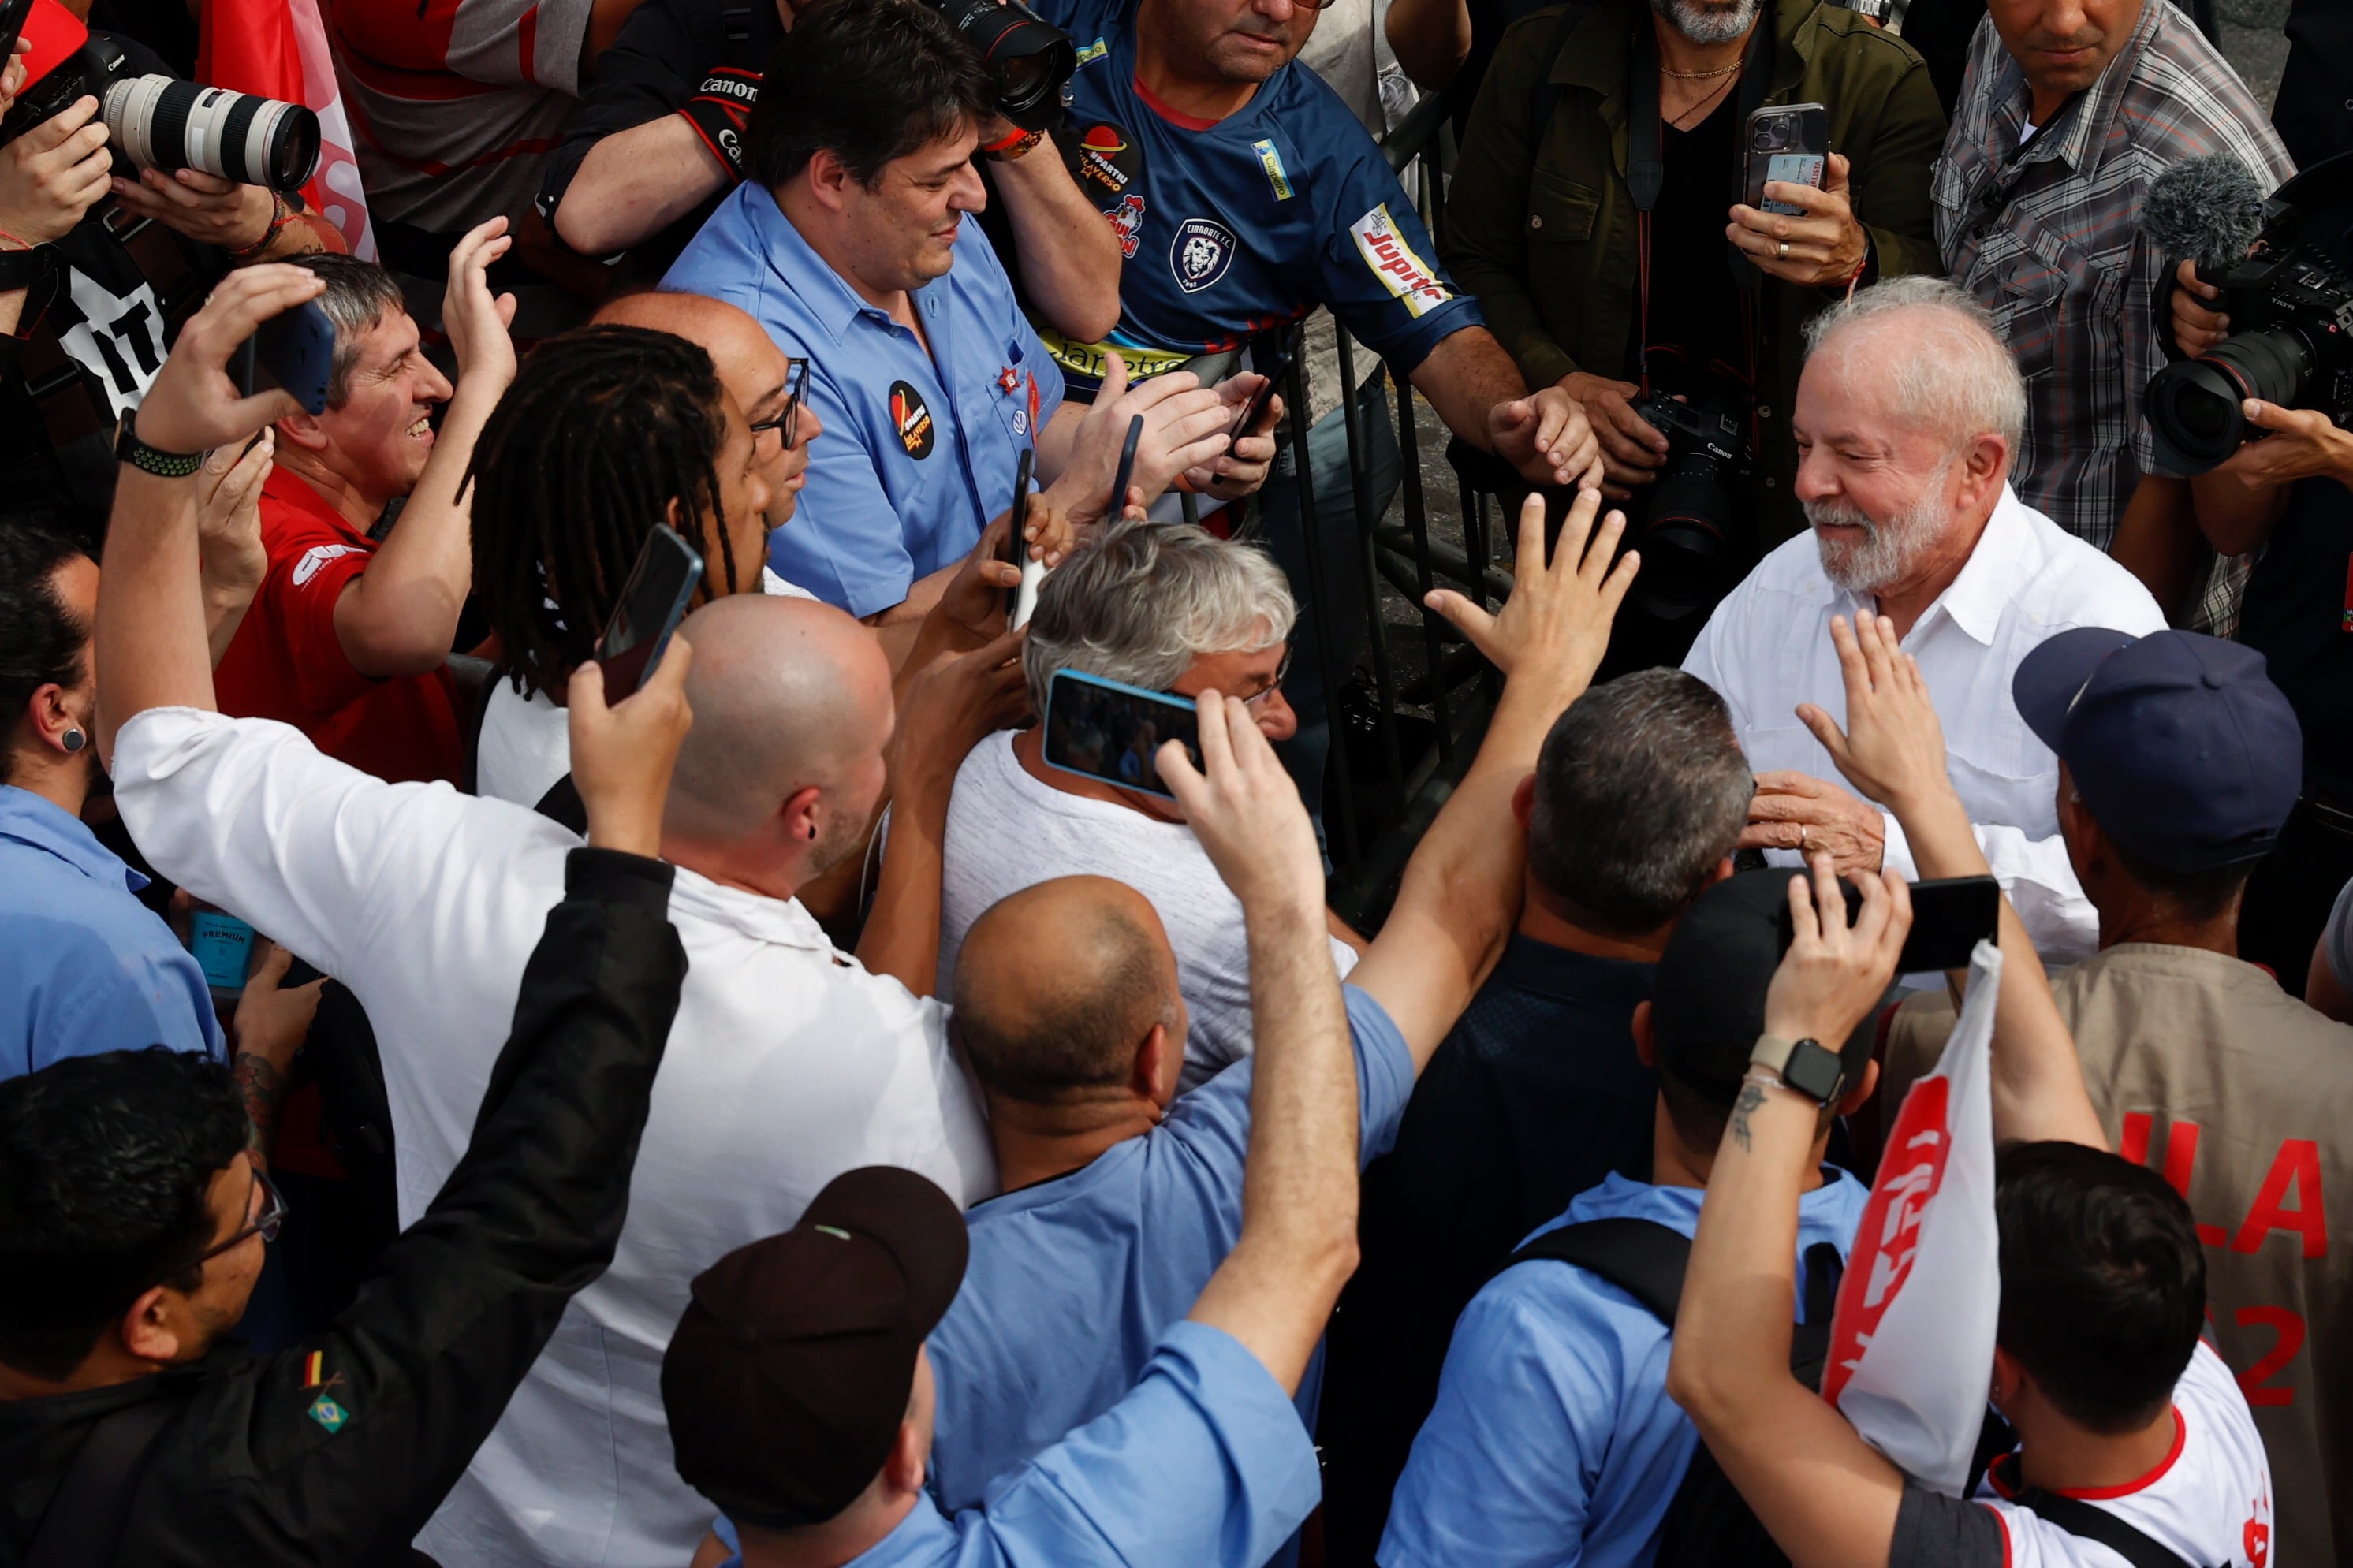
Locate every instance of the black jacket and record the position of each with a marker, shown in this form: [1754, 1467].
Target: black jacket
[335, 1453]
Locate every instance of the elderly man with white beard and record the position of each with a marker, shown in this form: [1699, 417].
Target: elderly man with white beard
[1907, 420]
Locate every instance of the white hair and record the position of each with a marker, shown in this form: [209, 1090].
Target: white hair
[1951, 371]
[1146, 599]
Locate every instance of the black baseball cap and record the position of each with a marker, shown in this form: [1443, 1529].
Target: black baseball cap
[789, 1374]
[2185, 751]
[1707, 994]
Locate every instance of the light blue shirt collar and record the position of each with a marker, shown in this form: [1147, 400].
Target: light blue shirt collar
[41, 823]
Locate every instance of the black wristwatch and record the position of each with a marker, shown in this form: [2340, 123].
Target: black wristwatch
[128, 448]
[1806, 1066]
[22, 268]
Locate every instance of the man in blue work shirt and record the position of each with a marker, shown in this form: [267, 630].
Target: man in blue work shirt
[844, 244]
[85, 967]
[800, 1396]
[1121, 1198]
[1553, 1439]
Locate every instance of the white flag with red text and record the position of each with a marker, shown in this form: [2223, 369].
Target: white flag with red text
[1912, 1340]
[278, 49]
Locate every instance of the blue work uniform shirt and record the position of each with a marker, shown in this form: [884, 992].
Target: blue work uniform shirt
[920, 448]
[1072, 1281]
[85, 967]
[1230, 228]
[1204, 1464]
[1553, 1441]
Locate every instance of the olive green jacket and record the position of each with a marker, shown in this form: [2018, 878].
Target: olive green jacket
[1546, 240]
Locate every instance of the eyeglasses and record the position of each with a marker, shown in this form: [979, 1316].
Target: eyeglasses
[1258, 700]
[265, 1224]
[788, 423]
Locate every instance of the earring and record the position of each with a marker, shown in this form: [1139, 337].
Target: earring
[73, 741]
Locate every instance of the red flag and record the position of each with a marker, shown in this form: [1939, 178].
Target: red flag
[278, 49]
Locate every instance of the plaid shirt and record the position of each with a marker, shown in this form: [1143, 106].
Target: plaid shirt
[2049, 239]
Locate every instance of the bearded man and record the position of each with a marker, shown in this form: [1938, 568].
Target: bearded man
[1907, 420]
[1607, 285]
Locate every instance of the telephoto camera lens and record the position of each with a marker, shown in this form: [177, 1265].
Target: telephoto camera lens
[1029, 59]
[161, 122]
[2195, 404]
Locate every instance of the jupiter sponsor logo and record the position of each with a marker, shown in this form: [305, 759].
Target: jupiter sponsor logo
[1414, 282]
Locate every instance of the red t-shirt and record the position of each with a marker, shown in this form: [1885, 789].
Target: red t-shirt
[286, 663]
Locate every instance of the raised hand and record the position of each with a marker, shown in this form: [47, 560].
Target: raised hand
[1243, 471]
[193, 405]
[951, 706]
[622, 755]
[1244, 808]
[207, 208]
[54, 173]
[1557, 620]
[1821, 246]
[1834, 974]
[477, 323]
[1892, 748]
[1633, 449]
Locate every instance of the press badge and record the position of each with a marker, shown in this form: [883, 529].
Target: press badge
[1796, 169]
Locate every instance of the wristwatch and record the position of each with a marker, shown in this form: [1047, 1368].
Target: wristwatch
[1805, 1066]
[128, 448]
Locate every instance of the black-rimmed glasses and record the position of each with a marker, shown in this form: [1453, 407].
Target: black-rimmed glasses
[788, 424]
[265, 1224]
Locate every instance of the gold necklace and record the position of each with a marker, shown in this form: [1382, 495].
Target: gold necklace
[1700, 75]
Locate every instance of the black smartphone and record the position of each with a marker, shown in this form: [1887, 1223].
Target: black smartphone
[1127, 469]
[1110, 730]
[12, 25]
[1014, 551]
[1276, 372]
[1790, 142]
[297, 347]
[1950, 915]
[653, 603]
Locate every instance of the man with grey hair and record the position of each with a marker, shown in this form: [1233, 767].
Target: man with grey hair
[347, 637]
[1908, 417]
[1636, 799]
[1170, 609]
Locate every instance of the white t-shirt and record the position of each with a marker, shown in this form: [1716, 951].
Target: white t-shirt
[1008, 831]
[526, 743]
[2208, 1501]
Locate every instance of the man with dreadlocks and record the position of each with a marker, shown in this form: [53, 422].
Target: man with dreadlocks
[347, 637]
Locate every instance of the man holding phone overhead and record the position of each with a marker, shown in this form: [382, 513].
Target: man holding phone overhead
[1551, 216]
[347, 638]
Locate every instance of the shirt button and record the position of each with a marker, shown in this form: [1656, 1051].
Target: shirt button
[1536, 221]
[1770, 481]
[1765, 411]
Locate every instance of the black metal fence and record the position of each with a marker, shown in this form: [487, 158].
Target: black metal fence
[1408, 698]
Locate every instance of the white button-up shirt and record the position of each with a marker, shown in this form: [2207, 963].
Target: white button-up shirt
[1767, 648]
[789, 1064]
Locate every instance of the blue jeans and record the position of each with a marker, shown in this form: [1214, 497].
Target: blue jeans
[1342, 535]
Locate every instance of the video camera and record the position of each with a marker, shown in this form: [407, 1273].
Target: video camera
[2291, 309]
[1030, 60]
[1688, 557]
[154, 121]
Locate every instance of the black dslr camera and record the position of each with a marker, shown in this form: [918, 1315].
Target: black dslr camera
[161, 122]
[2291, 343]
[1030, 60]
[1689, 559]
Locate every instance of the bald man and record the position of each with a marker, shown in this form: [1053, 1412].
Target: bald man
[792, 1063]
[756, 373]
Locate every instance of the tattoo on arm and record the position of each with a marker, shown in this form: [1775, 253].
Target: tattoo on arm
[1751, 1097]
[263, 1088]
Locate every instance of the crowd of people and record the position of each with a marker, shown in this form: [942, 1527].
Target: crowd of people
[880, 1082]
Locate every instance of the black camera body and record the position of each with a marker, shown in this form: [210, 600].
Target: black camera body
[161, 122]
[2291, 343]
[1029, 59]
[1687, 539]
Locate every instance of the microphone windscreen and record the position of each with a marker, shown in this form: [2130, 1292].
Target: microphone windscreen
[2209, 208]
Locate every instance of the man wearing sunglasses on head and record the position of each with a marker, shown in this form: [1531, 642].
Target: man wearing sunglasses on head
[134, 1220]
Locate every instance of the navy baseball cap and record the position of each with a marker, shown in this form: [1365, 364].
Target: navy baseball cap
[2185, 751]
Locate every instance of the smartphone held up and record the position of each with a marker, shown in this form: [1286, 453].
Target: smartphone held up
[654, 600]
[1108, 731]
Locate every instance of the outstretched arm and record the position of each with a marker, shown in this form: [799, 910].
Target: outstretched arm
[1828, 1497]
[1893, 750]
[1298, 1245]
[1479, 392]
[1462, 889]
[1068, 255]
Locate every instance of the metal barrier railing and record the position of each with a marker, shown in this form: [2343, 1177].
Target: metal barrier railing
[1384, 788]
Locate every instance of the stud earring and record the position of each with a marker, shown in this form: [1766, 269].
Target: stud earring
[74, 740]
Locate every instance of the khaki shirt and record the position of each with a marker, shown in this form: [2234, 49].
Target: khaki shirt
[1545, 237]
[2201, 1067]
